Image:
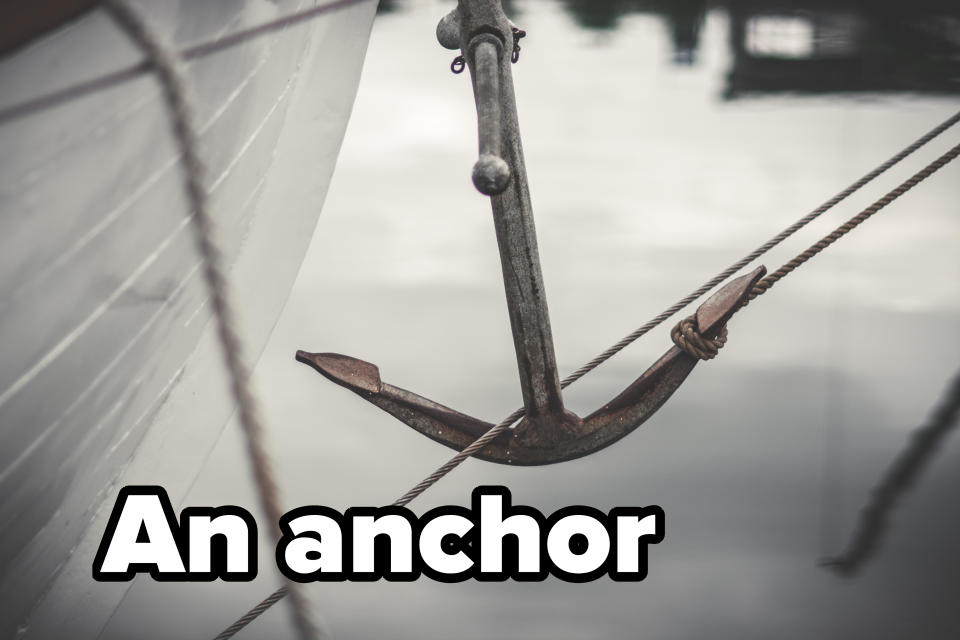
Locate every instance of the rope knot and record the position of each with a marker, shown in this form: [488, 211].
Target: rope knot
[689, 340]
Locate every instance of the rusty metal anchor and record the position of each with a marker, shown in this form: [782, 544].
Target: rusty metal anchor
[548, 433]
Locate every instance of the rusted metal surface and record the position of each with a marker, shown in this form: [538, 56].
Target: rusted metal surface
[540, 441]
[547, 433]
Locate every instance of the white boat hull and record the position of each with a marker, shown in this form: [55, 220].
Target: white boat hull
[109, 370]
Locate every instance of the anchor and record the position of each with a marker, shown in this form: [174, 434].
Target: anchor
[548, 433]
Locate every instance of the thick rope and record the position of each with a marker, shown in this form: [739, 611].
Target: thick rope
[687, 338]
[903, 472]
[172, 78]
[499, 428]
[199, 50]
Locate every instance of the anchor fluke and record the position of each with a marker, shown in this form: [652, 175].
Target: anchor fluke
[357, 375]
[433, 420]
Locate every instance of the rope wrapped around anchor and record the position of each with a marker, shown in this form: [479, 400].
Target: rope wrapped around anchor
[688, 339]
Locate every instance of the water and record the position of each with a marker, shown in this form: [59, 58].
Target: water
[649, 172]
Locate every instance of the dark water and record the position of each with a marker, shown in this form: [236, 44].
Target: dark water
[663, 141]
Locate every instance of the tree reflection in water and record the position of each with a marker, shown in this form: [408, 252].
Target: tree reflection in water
[800, 46]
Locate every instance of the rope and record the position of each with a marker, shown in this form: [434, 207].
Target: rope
[764, 285]
[199, 50]
[253, 614]
[903, 472]
[166, 63]
[685, 335]
[760, 288]
[502, 426]
[762, 249]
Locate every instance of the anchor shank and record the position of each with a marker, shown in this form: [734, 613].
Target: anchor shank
[482, 24]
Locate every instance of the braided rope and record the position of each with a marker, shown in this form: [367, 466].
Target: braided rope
[764, 285]
[456, 460]
[165, 61]
[685, 335]
[253, 614]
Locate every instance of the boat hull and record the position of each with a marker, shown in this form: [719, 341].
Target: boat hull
[109, 369]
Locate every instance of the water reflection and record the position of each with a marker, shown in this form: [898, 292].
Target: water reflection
[683, 18]
[843, 46]
[801, 46]
[903, 473]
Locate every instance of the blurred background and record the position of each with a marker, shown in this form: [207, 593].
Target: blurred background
[664, 140]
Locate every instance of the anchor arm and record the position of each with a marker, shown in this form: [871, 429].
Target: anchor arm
[533, 442]
[440, 423]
